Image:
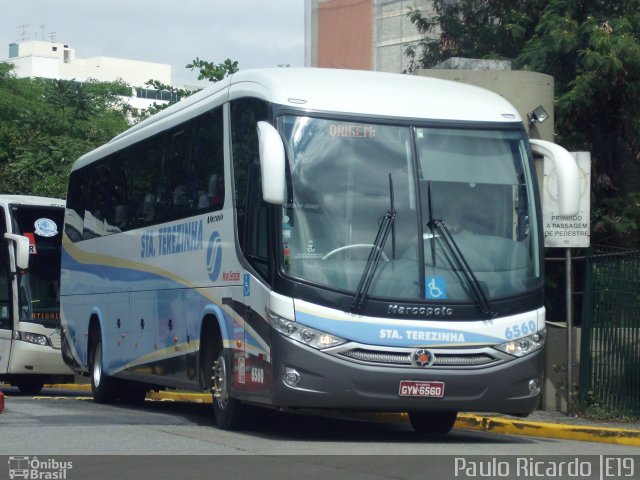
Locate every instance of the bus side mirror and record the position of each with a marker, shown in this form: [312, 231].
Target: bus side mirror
[567, 173]
[272, 161]
[22, 249]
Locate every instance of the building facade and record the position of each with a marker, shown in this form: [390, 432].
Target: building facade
[58, 61]
[361, 34]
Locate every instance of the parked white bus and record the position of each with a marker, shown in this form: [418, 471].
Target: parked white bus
[29, 292]
[314, 238]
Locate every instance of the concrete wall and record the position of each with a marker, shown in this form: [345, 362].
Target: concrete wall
[524, 90]
[555, 391]
[393, 32]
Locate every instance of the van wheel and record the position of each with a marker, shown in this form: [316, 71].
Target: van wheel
[103, 387]
[432, 423]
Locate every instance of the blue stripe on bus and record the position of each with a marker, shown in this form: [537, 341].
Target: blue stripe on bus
[395, 335]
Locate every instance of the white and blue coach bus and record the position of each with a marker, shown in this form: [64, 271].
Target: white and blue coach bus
[314, 238]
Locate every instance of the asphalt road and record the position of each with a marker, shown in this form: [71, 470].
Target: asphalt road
[182, 436]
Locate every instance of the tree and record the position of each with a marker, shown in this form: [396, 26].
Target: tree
[207, 71]
[46, 125]
[474, 29]
[592, 49]
[210, 71]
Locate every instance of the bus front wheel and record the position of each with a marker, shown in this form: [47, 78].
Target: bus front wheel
[103, 387]
[229, 413]
[432, 423]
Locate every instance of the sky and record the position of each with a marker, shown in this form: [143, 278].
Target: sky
[256, 33]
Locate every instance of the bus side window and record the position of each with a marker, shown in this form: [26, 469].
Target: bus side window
[207, 162]
[5, 317]
[74, 216]
[144, 165]
[251, 208]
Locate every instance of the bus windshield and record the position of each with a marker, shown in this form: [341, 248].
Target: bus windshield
[39, 286]
[344, 178]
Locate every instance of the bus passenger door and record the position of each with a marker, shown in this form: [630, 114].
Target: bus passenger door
[254, 222]
[6, 319]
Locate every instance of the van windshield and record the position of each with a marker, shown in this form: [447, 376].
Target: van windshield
[39, 286]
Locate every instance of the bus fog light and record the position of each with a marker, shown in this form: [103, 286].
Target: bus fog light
[291, 377]
[535, 386]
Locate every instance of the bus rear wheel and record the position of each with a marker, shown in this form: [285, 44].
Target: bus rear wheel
[432, 423]
[103, 387]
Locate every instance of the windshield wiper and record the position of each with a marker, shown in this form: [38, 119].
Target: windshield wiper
[461, 262]
[386, 225]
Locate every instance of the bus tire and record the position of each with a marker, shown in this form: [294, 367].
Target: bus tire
[432, 423]
[228, 412]
[103, 387]
[131, 393]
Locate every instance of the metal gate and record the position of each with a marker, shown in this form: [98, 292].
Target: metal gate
[610, 350]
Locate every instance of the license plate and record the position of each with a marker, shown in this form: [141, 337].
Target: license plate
[411, 388]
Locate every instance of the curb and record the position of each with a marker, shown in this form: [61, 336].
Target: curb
[585, 433]
[465, 421]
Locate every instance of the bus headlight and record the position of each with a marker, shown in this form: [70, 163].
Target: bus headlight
[303, 334]
[34, 338]
[524, 345]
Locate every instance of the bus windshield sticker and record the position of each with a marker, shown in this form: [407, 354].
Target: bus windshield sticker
[32, 243]
[46, 227]
[247, 285]
[436, 288]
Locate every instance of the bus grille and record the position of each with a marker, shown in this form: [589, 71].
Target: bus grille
[381, 357]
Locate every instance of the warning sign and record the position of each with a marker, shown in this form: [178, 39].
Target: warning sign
[567, 232]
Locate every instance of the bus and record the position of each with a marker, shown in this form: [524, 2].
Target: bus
[30, 340]
[285, 238]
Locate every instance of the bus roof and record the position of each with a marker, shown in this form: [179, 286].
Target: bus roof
[355, 92]
[31, 200]
[379, 94]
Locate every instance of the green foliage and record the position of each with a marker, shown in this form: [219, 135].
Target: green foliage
[207, 71]
[474, 29]
[617, 220]
[157, 107]
[212, 72]
[46, 125]
[592, 49]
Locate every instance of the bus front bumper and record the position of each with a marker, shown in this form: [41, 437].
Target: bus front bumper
[30, 358]
[326, 381]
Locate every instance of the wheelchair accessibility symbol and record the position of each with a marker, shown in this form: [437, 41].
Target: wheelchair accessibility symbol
[436, 288]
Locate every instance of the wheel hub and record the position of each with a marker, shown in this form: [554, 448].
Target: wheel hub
[97, 365]
[219, 382]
